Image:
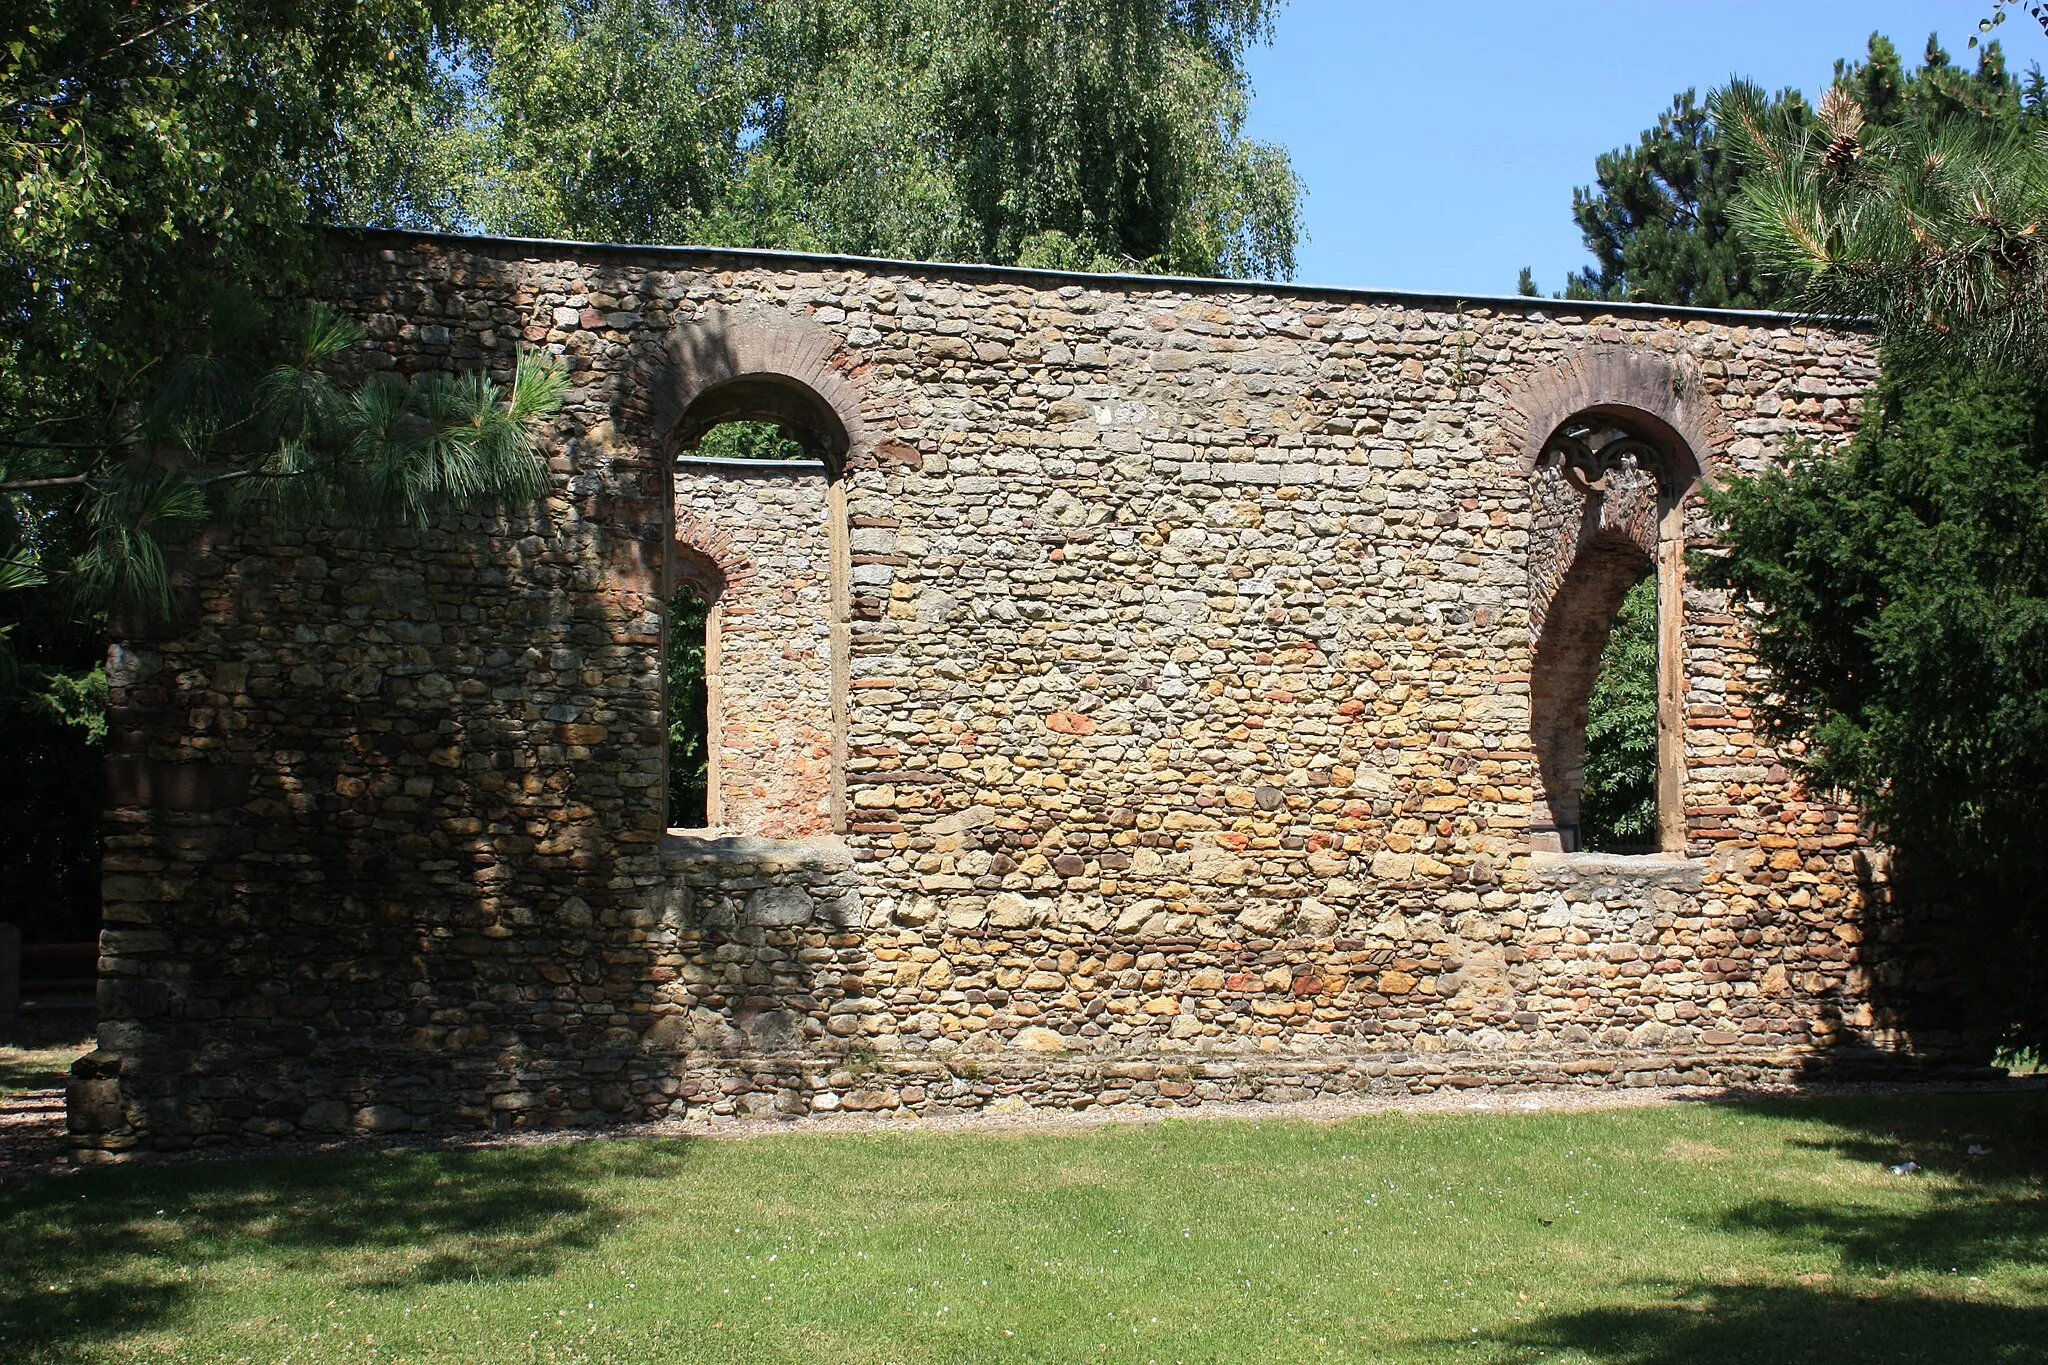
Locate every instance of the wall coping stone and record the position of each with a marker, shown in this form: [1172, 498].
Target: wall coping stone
[1118, 283]
[751, 466]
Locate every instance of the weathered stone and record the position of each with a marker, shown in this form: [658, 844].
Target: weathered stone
[1263, 917]
[1038, 1040]
[94, 1105]
[325, 1116]
[1011, 911]
[1315, 919]
[780, 905]
[382, 1118]
[1149, 671]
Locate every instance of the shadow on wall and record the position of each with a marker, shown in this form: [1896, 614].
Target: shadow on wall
[760, 932]
[422, 913]
[434, 898]
[374, 1222]
[1898, 1012]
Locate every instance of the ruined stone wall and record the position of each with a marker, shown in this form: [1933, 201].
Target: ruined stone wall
[763, 529]
[1181, 709]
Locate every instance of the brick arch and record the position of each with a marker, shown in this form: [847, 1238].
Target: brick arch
[759, 365]
[1589, 542]
[705, 557]
[1663, 393]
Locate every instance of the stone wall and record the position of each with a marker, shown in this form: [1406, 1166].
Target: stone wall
[754, 536]
[1179, 687]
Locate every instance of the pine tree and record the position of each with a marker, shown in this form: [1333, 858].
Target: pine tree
[1929, 223]
[1658, 224]
[1659, 219]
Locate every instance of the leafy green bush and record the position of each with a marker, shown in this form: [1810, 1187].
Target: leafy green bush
[1898, 591]
[688, 743]
[1618, 804]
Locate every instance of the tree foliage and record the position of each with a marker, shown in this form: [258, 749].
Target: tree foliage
[251, 423]
[1932, 226]
[1618, 800]
[1661, 218]
[153, 151]
[164, 162]
[1898, 592]
[1080, 134]
[1658, 224]
[167, 164]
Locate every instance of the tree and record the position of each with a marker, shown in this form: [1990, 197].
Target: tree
[154, 153]
[1660, 222]
[1932, 226]
[1898, 590]
[1898, 595]
[1618, 801]
[1889, 587]
[1092, 134]
[1999, 9]
[163, 162]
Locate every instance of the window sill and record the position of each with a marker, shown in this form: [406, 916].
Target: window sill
[707, 847]
[1671, 868]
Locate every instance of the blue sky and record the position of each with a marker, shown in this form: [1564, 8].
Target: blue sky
[1440, 142]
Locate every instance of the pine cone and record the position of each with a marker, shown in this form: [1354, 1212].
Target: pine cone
[1842, 116]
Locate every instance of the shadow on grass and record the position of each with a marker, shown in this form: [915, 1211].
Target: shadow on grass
[1793, 1325]
[1984, 1162]
[36, 1069]
[114, 1252]
[1978, 1213]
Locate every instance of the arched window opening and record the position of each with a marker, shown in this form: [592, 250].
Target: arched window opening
[750, 653]
[1606, 687]
[761, 417]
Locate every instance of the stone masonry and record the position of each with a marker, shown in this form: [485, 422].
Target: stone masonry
[753, 538]
[1132, 704]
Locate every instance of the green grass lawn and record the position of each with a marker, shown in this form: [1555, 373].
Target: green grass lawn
[38, 1067]
[1741, 1232]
